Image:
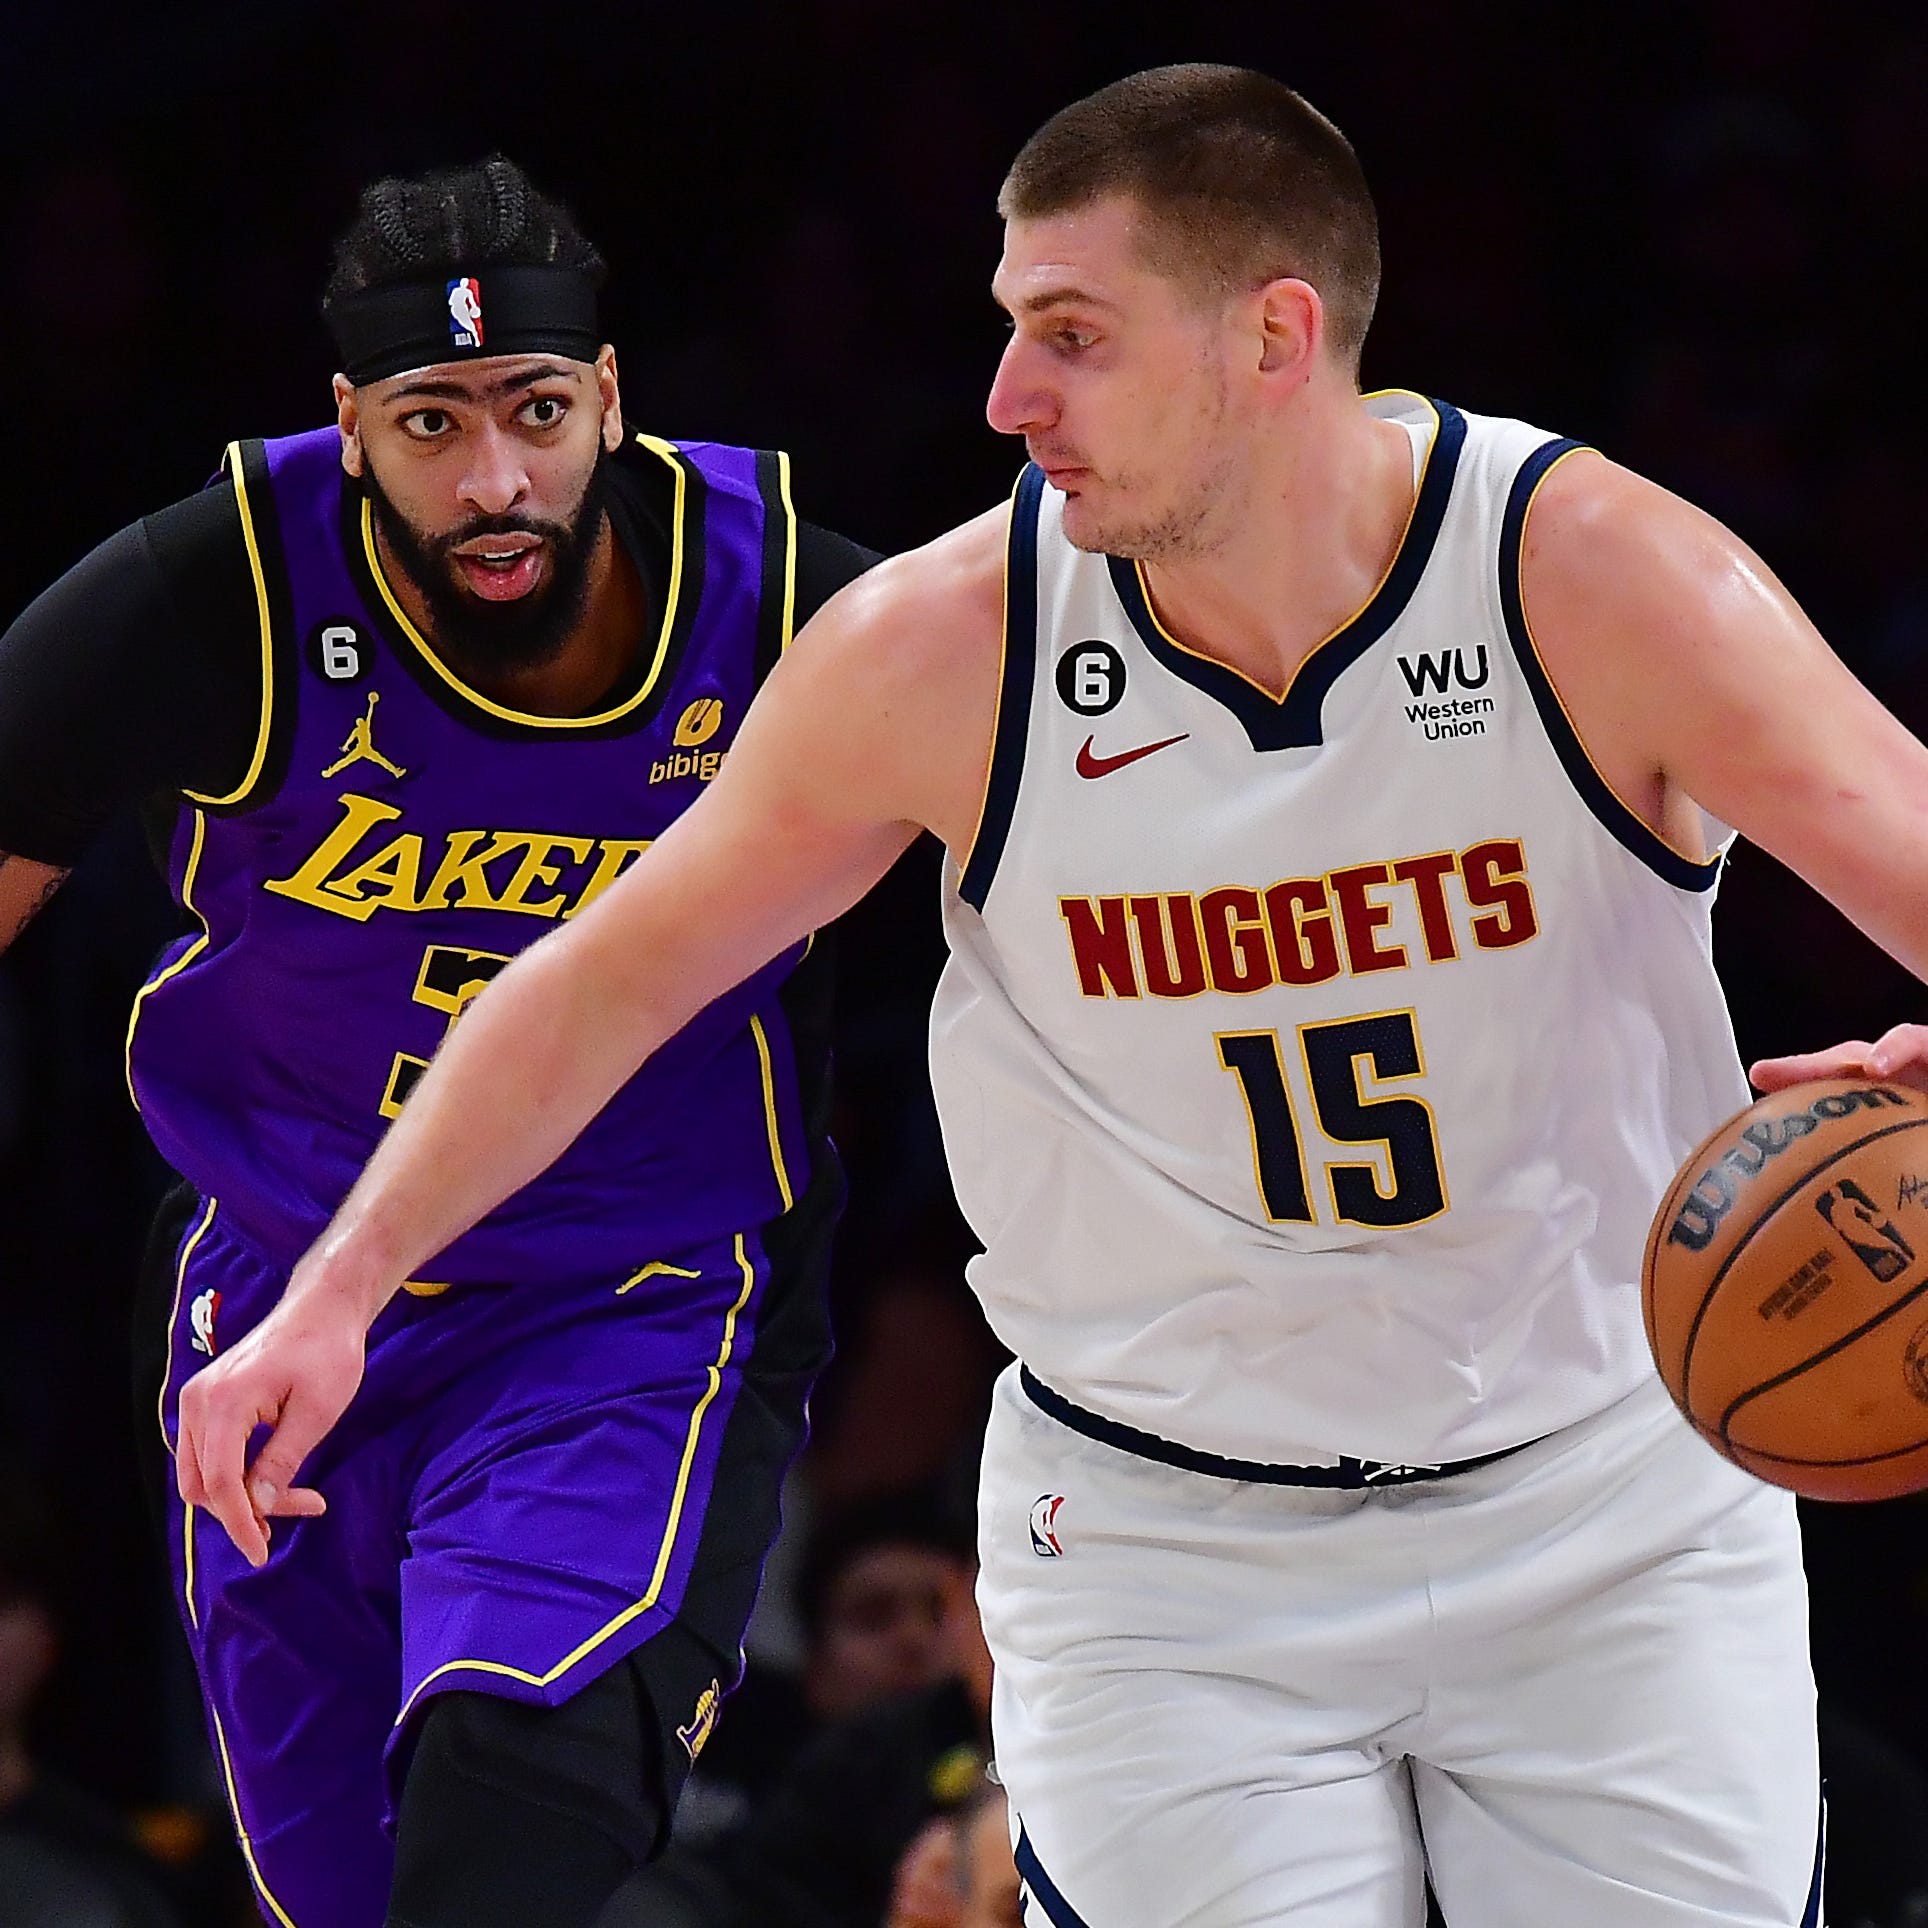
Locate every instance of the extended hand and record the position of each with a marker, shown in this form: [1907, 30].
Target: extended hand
[295, 1372]
[1900, 1055]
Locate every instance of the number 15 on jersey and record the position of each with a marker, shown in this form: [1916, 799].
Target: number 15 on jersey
[1343, 1059]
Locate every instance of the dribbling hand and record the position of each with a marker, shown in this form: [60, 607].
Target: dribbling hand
[295, 1372]
[1900, 1054]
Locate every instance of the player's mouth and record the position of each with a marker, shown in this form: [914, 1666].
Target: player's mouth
[501, 568]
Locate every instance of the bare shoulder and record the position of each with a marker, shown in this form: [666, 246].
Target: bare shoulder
[918, 613]
[1605, 549]
[901, 668]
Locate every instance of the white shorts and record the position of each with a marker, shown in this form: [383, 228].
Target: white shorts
[1572, 1686]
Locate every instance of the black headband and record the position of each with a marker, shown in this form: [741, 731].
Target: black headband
[494, 311]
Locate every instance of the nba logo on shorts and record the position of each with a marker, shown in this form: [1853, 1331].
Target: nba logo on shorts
[200, 1320]
[465, 312]
[1044, 1519]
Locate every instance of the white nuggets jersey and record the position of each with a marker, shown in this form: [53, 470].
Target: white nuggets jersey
[1312, 1067]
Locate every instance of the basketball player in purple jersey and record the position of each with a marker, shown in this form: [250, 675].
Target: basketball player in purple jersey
[419, 686]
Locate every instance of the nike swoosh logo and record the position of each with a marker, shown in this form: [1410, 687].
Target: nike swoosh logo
[1102, 766]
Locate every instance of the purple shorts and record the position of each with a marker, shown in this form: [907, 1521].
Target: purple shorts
[520, 1495]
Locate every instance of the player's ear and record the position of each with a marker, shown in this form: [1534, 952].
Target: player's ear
[1291, 327]
[348, 423]
[609, 393]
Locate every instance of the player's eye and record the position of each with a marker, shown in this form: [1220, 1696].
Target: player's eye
[544, 411]
[427, 424]
[1071, 340]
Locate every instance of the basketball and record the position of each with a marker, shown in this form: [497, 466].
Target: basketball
[1785, 1289]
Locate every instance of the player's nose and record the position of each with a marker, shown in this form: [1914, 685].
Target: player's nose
[496, 477]
[1018, 401]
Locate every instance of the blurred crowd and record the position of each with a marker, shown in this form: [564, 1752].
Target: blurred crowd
[1687, 232]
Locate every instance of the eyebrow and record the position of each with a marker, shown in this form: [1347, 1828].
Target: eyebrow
[1064, 296]
[462, 392]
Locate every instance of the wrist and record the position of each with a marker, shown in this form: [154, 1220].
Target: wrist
[345, 1273]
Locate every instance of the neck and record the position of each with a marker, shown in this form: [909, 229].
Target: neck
[1299, 550]
[596, 652]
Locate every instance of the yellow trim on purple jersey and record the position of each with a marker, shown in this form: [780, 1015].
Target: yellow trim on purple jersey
[231, 461]
[665, 629]
[665, 1551]
[181, 963]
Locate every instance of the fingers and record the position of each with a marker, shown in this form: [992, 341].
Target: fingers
[226, 1492]
[298, 1429]
[210, 1462]
[298, 1503]
[1842, 1060]
[207, 1466]
[1901, 1049]
[1901, 1052]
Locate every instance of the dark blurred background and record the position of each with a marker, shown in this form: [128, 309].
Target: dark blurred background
[1689, 232]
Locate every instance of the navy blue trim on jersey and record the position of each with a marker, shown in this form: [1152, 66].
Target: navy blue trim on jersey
[1014, 690]
[1352, 1475]
[1044, 1891]
[1296, 720]
[1659, 856]
[1811, 1915]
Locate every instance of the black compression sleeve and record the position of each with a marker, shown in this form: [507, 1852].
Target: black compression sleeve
[825, 562]
[137, 672]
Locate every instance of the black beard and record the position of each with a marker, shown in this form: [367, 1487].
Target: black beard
[496, 638]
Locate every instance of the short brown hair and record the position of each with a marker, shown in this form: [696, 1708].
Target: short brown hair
[1243, 182]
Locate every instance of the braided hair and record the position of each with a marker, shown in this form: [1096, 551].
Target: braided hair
[455, 220]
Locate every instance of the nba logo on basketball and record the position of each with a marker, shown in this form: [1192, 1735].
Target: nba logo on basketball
[1044, 1519]
[465, 312]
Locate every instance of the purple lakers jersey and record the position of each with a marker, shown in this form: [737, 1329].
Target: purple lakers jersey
[399, 837]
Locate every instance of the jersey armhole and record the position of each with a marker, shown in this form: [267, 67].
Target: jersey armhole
[1625, 825]
[246, 463]
[776, 612]
[1017, 675]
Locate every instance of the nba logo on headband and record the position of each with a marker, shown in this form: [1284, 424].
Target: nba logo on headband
[465, 312]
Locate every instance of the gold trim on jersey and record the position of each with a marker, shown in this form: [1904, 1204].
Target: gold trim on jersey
[187, 1567]
[789, 549]
[770, 1113]
[231, 461]
[180, 964]
[1702, 862]
[674, 459]
[240, 1831]
[180, 1285]
[657, 1269]
[666, 1548]
[1284, 696]
[220, 1736]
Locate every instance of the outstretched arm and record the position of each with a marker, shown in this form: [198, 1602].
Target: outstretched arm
[874, 726]
[1696, 679]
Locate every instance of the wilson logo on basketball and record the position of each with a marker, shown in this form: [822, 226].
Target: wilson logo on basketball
[1700, 1213]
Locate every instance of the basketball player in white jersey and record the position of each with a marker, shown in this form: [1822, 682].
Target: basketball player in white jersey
[1334, 791]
